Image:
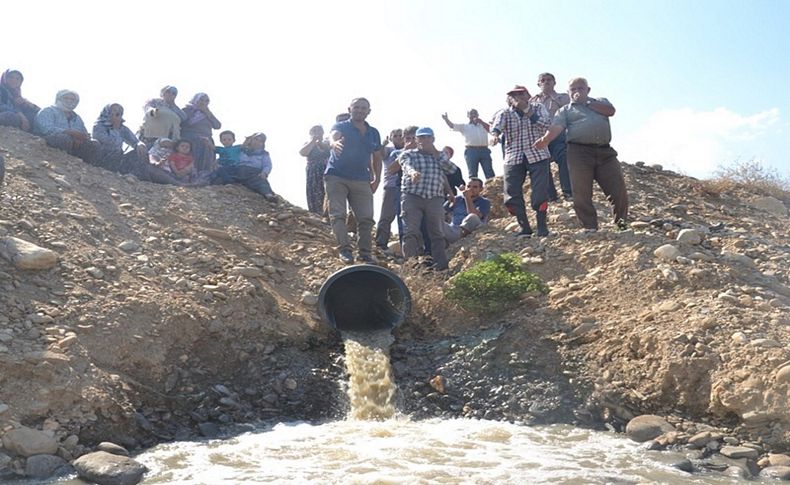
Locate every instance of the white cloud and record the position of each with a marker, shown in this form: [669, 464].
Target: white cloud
[698, 142]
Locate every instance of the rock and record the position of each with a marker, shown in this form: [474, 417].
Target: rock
[3, 408]
[582, 329]
[108, 469]
[667, 252]
[310, 299]
[739, 452]
[43, 466]
[657, 166]
[646, 427]
[737, 258]
[26, 255]
[209, 430]
[110, 447]
[684, 465]
[128, 246]
[290, 384]
[701, 439]
[247, 271]
[776, 472]
[26, 441]
[766, 343]
[95, 272]
[439, 384]
[689, 236]
[778, 459]
[769, 204]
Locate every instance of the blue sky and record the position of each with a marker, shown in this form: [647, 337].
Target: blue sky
[696, 84]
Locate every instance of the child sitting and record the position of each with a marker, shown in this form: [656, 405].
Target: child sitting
[253, 168]
[228, 153]
[158, 154]
[181, 162]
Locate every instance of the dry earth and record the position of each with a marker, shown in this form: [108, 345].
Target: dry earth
[171, 309]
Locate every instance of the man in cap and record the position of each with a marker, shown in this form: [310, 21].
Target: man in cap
[585, 122]
[522, 123]
[422, 196]
[552, 101]
[352, 175]
[476, 137]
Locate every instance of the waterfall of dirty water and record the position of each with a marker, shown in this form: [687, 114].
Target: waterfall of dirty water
[371, 388]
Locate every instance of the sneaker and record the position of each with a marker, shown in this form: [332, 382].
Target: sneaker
[366, 259]
[525, 232]
[346, 256]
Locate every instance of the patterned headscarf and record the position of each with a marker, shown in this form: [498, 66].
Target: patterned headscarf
[15, 92]
[105, 117]
[195, 115]
[63, 104]
[167, 88]
[247, 142]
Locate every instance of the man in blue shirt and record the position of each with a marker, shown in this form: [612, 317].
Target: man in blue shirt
[469, 210]
[352, 176]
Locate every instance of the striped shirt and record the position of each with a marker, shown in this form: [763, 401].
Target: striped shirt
[432, 178]
[521, 132]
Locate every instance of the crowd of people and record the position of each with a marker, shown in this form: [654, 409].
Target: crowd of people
[172, 145]
[424, 191]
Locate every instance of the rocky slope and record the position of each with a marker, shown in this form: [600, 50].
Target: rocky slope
[166, 311]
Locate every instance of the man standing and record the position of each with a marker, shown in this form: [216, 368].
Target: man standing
[476, 137]
[552, 101]
[390, 204]
[423, 197]
[469, 211]
[522, 124]
[586, 124]
[352, 175]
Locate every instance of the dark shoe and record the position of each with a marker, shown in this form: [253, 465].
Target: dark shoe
[366, 259]
[525, 232]
[346, 256]
[543, 228]
[567, 196]
[622, 225]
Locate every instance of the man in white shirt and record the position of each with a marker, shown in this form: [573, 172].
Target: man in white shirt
[476, 137]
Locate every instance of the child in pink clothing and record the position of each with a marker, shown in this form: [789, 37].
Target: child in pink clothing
[181, 162]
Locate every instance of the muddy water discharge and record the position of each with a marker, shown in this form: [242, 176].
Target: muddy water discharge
[371, 388]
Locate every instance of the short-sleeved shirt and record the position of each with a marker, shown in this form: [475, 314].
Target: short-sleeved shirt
[474, 134]
[459, 209]
[391, 180]
[354, 162]
[521, 132]
[584, 125]
[552, 102]
[228, 156]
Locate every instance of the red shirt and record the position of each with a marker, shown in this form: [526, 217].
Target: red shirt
[180, 161]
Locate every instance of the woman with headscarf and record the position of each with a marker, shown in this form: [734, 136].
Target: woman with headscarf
[111, 133]
[162, 117]
[197, 128]
[317, 153]
[62, 128]
[14, 109]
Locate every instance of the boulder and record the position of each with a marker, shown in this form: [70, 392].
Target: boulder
[108, 469]
[689, 236]
[647, 427]
[25, 441]
[776, 472]
[667, 252]
[769, 204]
[26, 255]
[43, 466]
[736, 452]
[110, 447]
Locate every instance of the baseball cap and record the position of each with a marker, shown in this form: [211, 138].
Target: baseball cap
[518, 89]
[424, 131]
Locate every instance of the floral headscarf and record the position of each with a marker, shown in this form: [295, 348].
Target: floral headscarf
[195, 115]
[105, 117]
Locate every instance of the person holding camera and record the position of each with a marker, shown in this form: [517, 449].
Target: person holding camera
[316, 150]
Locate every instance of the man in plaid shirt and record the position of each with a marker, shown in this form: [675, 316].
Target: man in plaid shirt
[422, 196]
[522, 124]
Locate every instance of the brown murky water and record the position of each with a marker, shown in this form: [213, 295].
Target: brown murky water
[371, 388]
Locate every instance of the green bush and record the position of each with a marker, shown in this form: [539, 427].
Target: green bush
[493, 285]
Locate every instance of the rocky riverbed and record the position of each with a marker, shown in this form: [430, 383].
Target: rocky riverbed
[134, 314]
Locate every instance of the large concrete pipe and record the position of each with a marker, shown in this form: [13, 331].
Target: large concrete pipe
[364, 297]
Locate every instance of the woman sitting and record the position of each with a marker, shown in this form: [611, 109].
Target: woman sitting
[253, 168]
[111, 134]
[14, 109]
[162, 117]
[62, 128]
[197, 128]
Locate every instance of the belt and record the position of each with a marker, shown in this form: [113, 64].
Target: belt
[476, 146]
[595, 145]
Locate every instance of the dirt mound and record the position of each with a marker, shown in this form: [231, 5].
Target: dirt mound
[171, 309]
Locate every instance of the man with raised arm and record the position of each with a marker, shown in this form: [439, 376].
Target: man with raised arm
[585, 122]
[475, 135]
[352, 176]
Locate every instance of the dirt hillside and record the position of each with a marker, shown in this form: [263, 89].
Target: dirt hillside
[171, 309]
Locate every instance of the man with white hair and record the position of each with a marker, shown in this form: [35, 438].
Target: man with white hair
[585, 122]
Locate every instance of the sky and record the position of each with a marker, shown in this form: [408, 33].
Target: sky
[697, 84]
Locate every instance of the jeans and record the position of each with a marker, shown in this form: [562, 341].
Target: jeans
[475, 156]
[515, 175]
[559, 150]
[390, 210]
[249, 177]
[359, 196]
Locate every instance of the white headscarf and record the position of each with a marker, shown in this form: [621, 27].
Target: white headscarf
[64, 104]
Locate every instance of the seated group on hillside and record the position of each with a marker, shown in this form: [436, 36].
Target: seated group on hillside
[173, 145]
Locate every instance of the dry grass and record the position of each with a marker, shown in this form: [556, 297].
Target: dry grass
[750, 176]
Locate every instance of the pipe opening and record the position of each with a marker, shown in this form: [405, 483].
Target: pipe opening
[364, 298]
